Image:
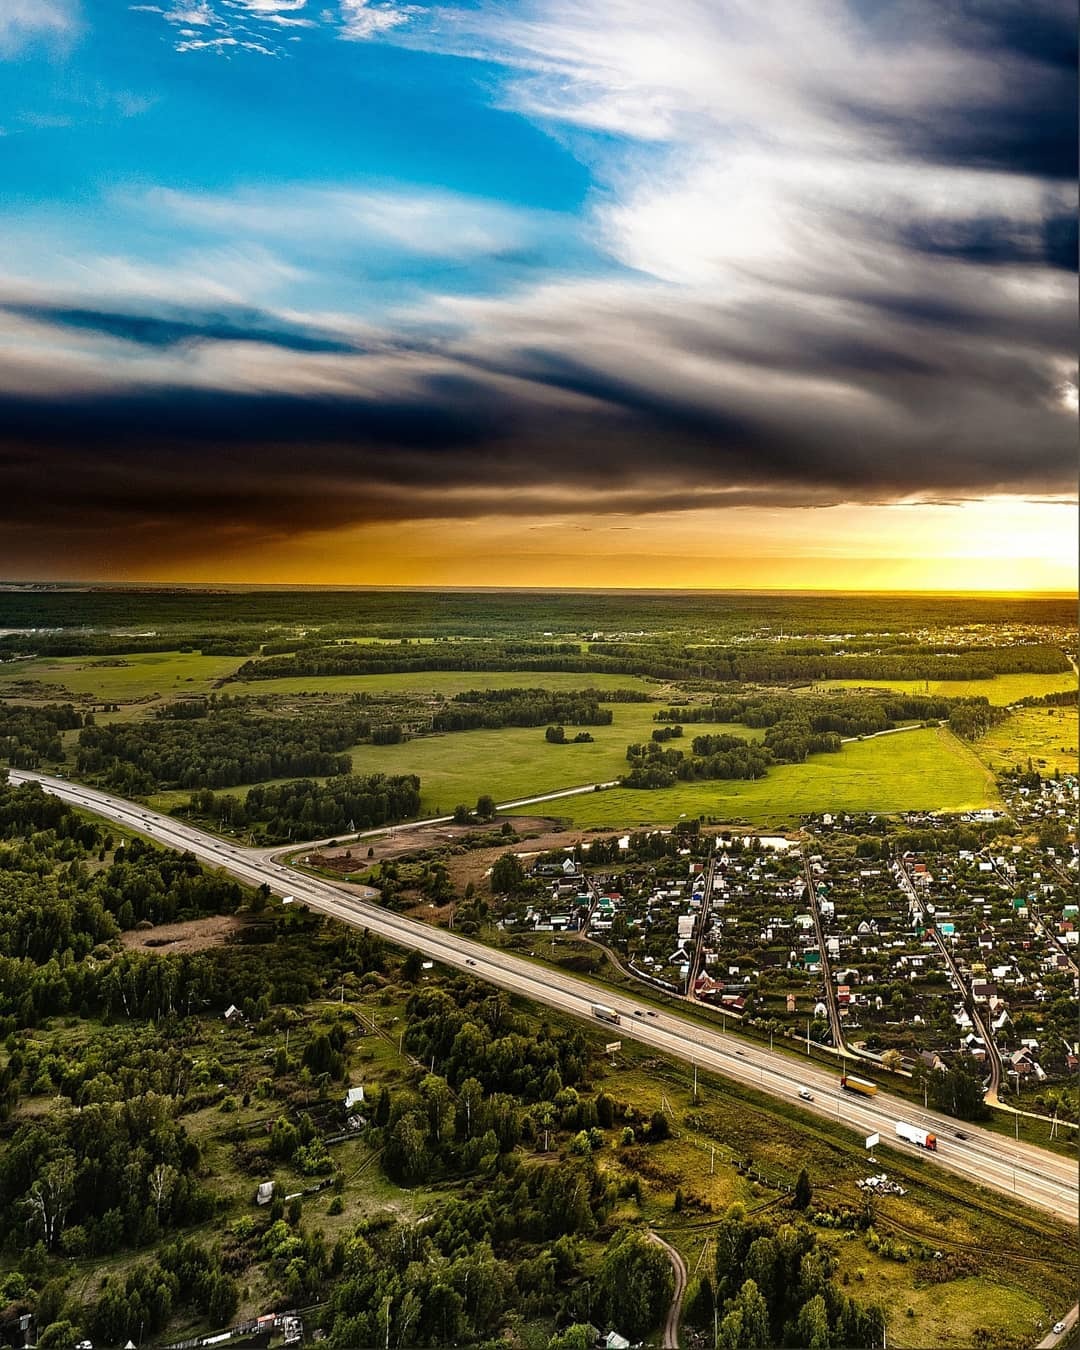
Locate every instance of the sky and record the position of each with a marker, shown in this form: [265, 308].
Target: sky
[725, 293]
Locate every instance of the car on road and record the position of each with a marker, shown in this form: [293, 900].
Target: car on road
[638, 1012]
[650, 1014]
[959, 1134]
[806, 1094]
[469, 961]
[1058, 1328]
[741, 1052]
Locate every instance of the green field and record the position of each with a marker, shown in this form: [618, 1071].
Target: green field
[928, 769]
[1001, 690]
[514, 761]
[445, 682]
[115, 679]
[1046, 736]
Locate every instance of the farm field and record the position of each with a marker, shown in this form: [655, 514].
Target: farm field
[1046, 736]
[514, 761]
[1000, 691]
[928, 769]
[115, 679]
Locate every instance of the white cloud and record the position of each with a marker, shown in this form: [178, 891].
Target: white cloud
[427, 223]
[26, 21]
[362, 19]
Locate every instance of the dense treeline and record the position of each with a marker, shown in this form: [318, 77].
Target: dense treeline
[30, 736]
[83, 643]
[801, 725]
[475, 1033]
[515, 695]
[224, 749]
[777, 1286]
[849, 714]
[974, 717]
[233, 615]
[530, 708]
[305, 809]
[651, 766]
[664, 660]
[62, 896]
[771, 665]
[104, 1176]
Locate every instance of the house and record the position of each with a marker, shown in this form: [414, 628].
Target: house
[265, 1193]
[233, 1015]
[354, 1098]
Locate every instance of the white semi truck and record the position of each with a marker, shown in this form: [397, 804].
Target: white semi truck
[605, 1013]
[914, 1136]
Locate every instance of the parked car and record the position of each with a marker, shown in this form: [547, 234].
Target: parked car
[1059, 1327]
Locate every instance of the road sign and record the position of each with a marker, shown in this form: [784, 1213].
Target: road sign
[612, 1046]
[872, 1140]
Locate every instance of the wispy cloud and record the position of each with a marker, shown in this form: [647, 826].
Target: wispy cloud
[25, 21]
[426, 222]
[365, 19]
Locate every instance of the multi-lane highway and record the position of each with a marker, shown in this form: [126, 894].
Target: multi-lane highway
[1033, 1175]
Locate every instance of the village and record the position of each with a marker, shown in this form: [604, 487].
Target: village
[913, 944]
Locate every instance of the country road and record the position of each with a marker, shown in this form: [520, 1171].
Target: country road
[674, 1314]
[1036, 1176]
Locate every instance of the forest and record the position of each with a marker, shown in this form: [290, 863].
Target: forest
[666, 659]
[228, 746]
[30, 736]
[305, 809]
[272, 614]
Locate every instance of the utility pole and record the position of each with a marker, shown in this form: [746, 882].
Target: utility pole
[808, 1038]
[695, 1083]
[712, 1159]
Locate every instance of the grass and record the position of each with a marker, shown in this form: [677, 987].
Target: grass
[508, 763]
[514, 761]
[115, 679]
[1046, 736]
[445, 682]
[995, 1292]
[928, 769]
[1001, 690]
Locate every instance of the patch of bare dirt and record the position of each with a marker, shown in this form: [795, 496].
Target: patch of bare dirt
[194, 935]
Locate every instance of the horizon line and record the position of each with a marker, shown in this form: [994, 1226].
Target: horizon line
[434, 588]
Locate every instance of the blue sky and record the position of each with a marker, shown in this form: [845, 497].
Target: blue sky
[531, 261]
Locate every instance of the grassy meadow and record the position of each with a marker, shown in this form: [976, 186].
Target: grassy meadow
[1046, 736]
[1000, 691]
[134, 678]
[927, 769]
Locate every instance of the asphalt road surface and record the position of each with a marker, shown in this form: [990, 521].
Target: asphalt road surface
[1035, 1176]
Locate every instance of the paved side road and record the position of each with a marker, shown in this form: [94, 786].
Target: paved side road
[674, 1317]
[1050, 1340]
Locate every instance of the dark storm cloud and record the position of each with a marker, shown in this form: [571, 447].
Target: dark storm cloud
[877, 312]
[997, 240]
[1024, 122]
[169, 330]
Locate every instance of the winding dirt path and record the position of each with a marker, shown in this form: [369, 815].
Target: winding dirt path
[674, 1317]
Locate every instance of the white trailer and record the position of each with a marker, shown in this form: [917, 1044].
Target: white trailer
[914, 1136]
